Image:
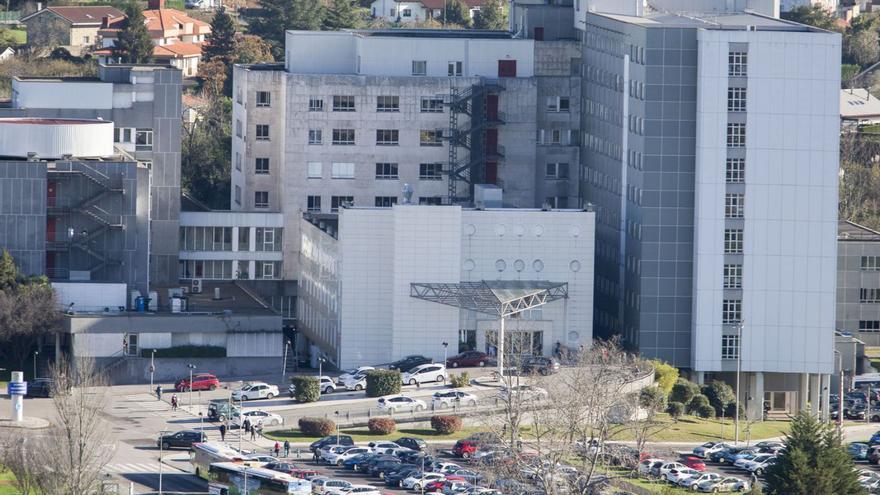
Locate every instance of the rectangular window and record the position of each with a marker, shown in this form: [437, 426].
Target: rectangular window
[556, 202]
[432, 105]
[734, 205]
[314, 204]
[316, 105]
[244, 235]
[729, 346]
[737, 64]
[143, 140]
[261, 166]
[430, 171]
[314, 170]
[736, 170]
[264, 99]
[242, 270]
[869, 325]
[431, 200]
[406, 13]
[267, 239]
[337, 202]
[387, 137]
[386, 201]
[343, 103]
[343, 136]
[733, 241]
[736, 135]
[237, 128]
[558, 104]
[237, 161]
[386, 171]
[266, 269]
[731, 311]
[315, 136]
[419, 67]
[387, 103]
[261, 199]
[455, 68]
[431, 138]
[733, 276]
[262, 132]
[869, 295]
[870, 263]
[342, 171]
[556, 171]
[736, 99]
[237, 195]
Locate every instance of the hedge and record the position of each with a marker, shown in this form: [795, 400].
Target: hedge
[316, 427]
[383, 382]
[186, 351]
[381, 426]
[459, 381]
[306, 388]
[705, 411]
[445, 425]
[675, 409]
[697, 402]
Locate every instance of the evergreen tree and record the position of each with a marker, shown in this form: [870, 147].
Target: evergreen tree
[491, 16]
[720, 396]
[221, 40]
[133, 43]
[457, 12]
[812, 15]
[813, 462]
[341, 14]
[277, 16]
[8, 272]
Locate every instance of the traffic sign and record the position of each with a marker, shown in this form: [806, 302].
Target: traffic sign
[17, 388]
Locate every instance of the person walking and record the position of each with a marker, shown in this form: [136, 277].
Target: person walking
[174, 402]
[159, 392]
[286, 448]
[247, 425]
[223, 432]
[277, 449]
[253, 432]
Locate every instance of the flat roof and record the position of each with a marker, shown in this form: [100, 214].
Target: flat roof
[858, 102]
[422, 33]
[851, 231]
[50, 121]
[718, 21]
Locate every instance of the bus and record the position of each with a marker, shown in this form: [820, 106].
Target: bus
[230, 478]
[202, 455]
[862, 382]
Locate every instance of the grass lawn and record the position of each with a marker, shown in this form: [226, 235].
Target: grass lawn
[6, 486]
[873, 353]
[692, 429]
[364, 435]
[20, 35]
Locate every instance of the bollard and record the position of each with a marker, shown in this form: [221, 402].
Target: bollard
[17, 389]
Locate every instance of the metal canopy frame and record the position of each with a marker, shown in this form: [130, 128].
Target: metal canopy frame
[499, 298]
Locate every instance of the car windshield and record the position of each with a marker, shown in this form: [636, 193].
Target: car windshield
[708, 444]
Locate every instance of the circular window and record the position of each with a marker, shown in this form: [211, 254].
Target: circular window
[519, 265]
[538, 230]
[575, 231]
[538, 265]
[500, 265]
[519, 230]
[575, 266]
[469, 265]
[470, 229]
[573, 336]
[501, 230]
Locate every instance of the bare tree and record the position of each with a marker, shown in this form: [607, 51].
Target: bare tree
[20, 455]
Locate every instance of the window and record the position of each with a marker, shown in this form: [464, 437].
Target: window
[869, 325]
[736, 99]
[431, 138]
[556, 202]
[869, 295]
[237, 195]
[261, 199]
[734, 205]
[314, 170]
[264, 99]
[733, 241]
[267, 269]
[387, 103]
[316, 105]
[206, 238]
[431, 200]
[432, 105]
[419, 67]
[244, 236]
[737, 64]
[237, 128]
[556, 171]
[870, 263]
[455, 68]
[338, 201]
[736, 135]
[386, 171]
[387, 137]
[558, 104]
[313, 204]
[343, 136]
[261, 166]
[430, 171]
[342, 170]
[731, 311]
[237, 161]
[122, 135]
[267, 239]
[386, 201]
[736, 170]
[343, 103]
[315, 136]
[406, 12]
[733, 276]
[262, 132]
[729, 346]
[143, 140]
[85, 40]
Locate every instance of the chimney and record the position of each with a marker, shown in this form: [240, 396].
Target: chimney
[105, 21]
[155, 4]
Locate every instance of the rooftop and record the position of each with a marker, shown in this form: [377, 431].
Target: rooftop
[81, 15]
[716, 21]
[858, 103]
[851, 231]
[423, 33]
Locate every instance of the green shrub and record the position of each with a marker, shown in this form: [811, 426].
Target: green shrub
[316, 427]
[381, 426]
[383, 382]
[720, 395]
[459, 381]
[705, 411]
[652, 398]
[665, 375]
[683, 391]
[445, 425]
[697, 402]
[730, 412]
[186, 351]
[675, 409]
[306, 388]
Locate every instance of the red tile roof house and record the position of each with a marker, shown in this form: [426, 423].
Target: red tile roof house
[177, 36]
[73, 28]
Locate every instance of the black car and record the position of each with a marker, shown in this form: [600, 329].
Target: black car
[41, 387]
[367, 465]
[281, 467]
[403, 471]
[181, 439]
[411, 443]
[380, 468]
[409, 362]
[415, 458]
[539, 364]
[331, 440]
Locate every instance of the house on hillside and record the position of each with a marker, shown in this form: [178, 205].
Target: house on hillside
[74, 28]
[410, 11]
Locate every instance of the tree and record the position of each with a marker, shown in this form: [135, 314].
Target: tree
[457, 12]
[665, 374]
[253, 49]
[847, 73]
[812, 15]
[699, 401]
[133, 42]
[214, 76]
[683, 391]
[205, 160]
[720, 396]
[861, 47]
[277, 16]
[491, 16]
[652, 398]
[8, 272]
[221, 44]
[19, 453]
[813, 462]
[341, 14]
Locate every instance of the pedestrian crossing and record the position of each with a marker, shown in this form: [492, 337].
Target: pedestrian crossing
[127, 468]
[145, 402]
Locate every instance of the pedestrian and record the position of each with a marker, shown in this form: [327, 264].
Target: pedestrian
[223, 432]
[286, 448]
[277, 449]
[253, 432]
[260, 428]
[159, 392]
[418, 384]
[247, 425]
[174, 402]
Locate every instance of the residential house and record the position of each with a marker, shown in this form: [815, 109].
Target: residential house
[73, 28]
[410, 11]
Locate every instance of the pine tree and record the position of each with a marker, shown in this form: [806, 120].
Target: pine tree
[277, 16]
[341, 14]
[813, 462]
[221, 40]
[133, 43]
[491, 16]
[8, 272]
[457, 12]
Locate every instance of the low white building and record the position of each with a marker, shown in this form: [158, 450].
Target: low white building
[411, 11]
[357, 304]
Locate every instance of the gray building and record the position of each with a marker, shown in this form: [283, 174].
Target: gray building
[858, 282]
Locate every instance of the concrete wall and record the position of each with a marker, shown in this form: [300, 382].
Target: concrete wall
[23, 214]
[168, 370]
[851, 278]
[30, 94]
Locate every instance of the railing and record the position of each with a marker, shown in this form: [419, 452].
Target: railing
[58, 273]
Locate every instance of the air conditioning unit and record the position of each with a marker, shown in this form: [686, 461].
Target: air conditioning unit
[196, 286]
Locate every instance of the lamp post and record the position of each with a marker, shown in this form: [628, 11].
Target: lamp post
[840, 396]
[336, 413]
[36, 353]
[320, 372]
[161, 445]
[191, 368]
[445, 352]
[739, 331]
[152, 367]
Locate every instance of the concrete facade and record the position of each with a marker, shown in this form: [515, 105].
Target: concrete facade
[858, 281]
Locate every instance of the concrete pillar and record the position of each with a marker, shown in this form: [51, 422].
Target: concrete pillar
[803, 392]
[235, 239]
[815, 394]
[57, 346]
[756, 392]
[699, 377]
[826, 397]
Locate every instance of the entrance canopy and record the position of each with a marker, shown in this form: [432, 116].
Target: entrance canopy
[500, 298]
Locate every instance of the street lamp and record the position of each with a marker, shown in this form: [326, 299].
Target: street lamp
[161, 445]
[840, 397]
[739, 331]
[191, 368]
[320, 372]
[152, 367]
[36, 353]
[445, 349]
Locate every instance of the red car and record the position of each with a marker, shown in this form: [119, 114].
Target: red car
[694, 463]
[469, 358]
[437, 486]
[465, 448]
[202, 381]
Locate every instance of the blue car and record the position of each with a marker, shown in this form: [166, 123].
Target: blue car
[875, 438]
[356, 460]
[734, 455]
[858, 451]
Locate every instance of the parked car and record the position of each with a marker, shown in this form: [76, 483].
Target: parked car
[539, 364]
[692, 483]
[729, 484]
[181, 439]
[347, 374]
[419, 480]
[646, 466]
[770, 446]
[281, 467]
[412, 443]
[360, 490]
[734, 455]
[709, 448]
[357, 461]
[329, 485]
[380, 468]
[675, 476]
[325, 383]
[453, 398]
[220, 409]
[257, 390]
[470, 358]
[40, 387]
[355, 382]
[380, 445]
[332, 451]
[331, 440]
[694, 463]
[201, 381]
[395, 403]
[338, 458]
[466, 447]
[760, 464]
[453, 487]
[858, 451]
[409, 362]
[660, 470]
[264, 458]
[425, 373]
[524, 393]
[258, 416]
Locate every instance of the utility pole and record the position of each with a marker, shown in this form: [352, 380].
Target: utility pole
[445, 352]
[191, 368]
[739, 348]
[840, 396]
[152, 368]
[320, 372]
[161, 444]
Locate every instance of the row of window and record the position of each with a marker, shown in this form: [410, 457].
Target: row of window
[869, 295]
[314, 203]
[870, 263]
[220, 239]
[384, 171]
[228, 269]
[386, 103]
[736, 135]
[869, 325]
[734, 205]
[384, 137]
[729, 346]
[141, 138]
[733, 276]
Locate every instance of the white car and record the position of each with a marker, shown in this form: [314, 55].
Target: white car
[760, 464]
[348, 374]
[742, 463]
[663, 469]
[424, 373]
[325, 383]
[261, 458]
[322, 484]
[417, 482]
[709, 448]
[644, 468]
[375, 447]
[453, 398]
[258, 390]
[675, 476]
[258, 416]
[446, 467]
[395, 403]
[355, 382]
[332, 451]
[360, 490]
[692, 483]
[339, 458]
[523, 393]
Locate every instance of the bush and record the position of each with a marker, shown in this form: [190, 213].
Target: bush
[383, 382]
[186, 351]
[652, 398]
[730, 412]
[306, 388]
[445, 425]
[665, 375]
[697, 402]
[705, 411]
[459, 381]
[675, 409]
[720, 395]
[381, 426]
[317, 427]
[683, 391]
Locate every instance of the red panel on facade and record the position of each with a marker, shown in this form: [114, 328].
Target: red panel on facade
[492, 107]
[507, 68]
